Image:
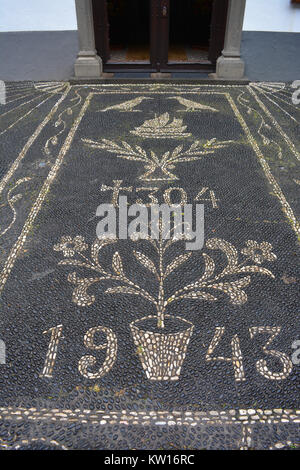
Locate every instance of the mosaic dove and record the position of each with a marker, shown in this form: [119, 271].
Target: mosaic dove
[192, 105]
[127, 105]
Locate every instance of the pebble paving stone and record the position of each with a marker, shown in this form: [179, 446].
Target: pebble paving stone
[142, 344]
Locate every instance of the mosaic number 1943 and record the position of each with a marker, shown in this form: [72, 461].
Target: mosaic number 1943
[110, 345]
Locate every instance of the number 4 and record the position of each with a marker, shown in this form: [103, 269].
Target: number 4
[236, 359]
[212, 197]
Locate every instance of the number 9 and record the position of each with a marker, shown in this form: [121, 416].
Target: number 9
[111, 353]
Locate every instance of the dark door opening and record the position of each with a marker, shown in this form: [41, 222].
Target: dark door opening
[122, 33]
[129, 31]
[189, 35]
[159, 35]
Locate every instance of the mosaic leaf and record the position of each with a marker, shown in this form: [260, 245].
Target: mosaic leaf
[117, 264]
[74, 262]
[199, 295]
[234, 289]
[122, 290]
[209, 267]
[176, 263]
[145, 261]
[256, 269]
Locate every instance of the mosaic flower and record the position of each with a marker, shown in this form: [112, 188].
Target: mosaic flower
[69, 246]
[259, 252]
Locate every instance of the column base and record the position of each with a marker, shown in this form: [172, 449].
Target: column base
[88, 66]
[230, 68]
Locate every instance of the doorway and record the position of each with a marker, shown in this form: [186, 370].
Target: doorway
[189, 33]
[129, 31]
[159, 35]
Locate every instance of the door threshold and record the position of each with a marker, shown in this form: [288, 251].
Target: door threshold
[177, 75]
[134, 78]
[160, 75]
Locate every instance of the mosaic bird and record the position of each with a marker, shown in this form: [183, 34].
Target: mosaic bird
[127, 105]
[192, 105]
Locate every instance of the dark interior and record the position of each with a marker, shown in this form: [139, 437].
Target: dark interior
[190, 22]
[129, 22]
[135, 32]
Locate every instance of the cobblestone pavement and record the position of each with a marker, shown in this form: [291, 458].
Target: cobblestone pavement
[142, 344]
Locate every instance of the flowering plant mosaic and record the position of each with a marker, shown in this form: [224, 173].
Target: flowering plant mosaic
[162, 354]
[205, 287]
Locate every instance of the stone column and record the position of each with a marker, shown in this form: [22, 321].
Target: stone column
[88, 64]
[230, 66]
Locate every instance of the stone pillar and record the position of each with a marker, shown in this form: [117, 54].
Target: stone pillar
[230, 66]
[88, 64]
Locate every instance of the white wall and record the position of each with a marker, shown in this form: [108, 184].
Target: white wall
[47, 15]
[37, 15]
[272, 15]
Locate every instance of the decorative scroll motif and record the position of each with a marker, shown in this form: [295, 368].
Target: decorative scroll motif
[17, 247]
[286, 208]
[61, 123]
[11, 201]
[157, 350]
[35, 96]
[279, 96]
[34, 136]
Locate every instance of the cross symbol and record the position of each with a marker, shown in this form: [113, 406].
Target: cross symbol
[116, 189]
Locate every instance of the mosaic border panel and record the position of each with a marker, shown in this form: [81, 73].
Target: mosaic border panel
[241, 416]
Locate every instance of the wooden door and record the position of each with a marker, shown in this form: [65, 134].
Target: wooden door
[101, 29]
[159, 35]
[159, 28]
[218, 29]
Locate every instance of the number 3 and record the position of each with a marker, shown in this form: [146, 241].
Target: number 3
[261, 365]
